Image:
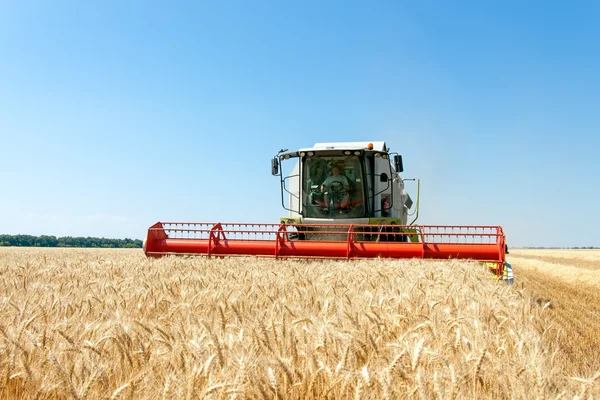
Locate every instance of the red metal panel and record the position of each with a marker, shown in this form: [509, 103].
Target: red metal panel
[482, 243]
[325, 249]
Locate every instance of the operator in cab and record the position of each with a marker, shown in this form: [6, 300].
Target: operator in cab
[336, 183]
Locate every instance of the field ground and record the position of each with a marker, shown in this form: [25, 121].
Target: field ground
[568, 281]
[82, 323]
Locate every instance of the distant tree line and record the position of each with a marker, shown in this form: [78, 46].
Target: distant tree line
[67, 241]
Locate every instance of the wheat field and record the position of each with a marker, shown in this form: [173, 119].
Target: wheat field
[85, 323]
[567, 282]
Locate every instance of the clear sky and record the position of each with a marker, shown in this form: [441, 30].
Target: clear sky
[118, 114]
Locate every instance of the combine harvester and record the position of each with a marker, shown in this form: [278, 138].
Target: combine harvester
[344, 201]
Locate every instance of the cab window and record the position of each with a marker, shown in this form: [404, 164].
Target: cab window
[333, 187]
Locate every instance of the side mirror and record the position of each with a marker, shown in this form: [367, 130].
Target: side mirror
[274, 166]
[383, 177]
[398, 163]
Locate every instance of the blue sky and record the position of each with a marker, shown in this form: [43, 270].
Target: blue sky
[115, 115]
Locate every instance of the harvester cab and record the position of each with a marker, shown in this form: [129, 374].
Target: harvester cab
[344, 201]
[343, 183]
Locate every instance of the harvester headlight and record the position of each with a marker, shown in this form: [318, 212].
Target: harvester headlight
[311, 153]
[348, 152]
[302, 154]
[377, 155]
[385, 156]
[357, 153]
[287, 156]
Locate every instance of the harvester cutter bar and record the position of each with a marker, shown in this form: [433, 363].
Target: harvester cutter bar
[481, 243]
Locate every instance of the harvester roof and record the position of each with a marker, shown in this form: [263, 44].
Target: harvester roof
[377, 146]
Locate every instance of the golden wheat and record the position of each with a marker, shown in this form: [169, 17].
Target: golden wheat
[567, 283]
[77, 323]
